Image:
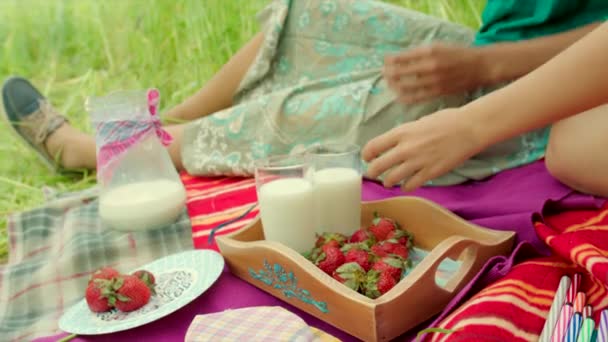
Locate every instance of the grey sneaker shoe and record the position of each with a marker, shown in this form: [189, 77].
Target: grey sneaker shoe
[31, 117]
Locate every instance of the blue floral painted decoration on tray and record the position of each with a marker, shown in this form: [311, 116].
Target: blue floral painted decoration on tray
[278, 278]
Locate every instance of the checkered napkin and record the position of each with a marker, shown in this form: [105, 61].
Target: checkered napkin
[266, 323]
[54, 249]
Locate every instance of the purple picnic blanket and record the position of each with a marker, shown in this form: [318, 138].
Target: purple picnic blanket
[504, 202]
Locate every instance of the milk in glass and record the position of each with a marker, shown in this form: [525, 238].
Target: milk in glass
[337, 196]
[286, 208]
[142, 205]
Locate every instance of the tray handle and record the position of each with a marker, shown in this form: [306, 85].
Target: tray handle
[453, 247]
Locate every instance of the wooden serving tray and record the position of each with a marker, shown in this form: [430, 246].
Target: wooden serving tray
[287, 275]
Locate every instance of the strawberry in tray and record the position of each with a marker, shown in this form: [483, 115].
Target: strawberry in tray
[359, 253]
[330, 259]
[371, 261]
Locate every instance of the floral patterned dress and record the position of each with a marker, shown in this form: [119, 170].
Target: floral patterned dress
[318, 79]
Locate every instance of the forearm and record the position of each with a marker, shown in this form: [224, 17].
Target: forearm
[572, 82]
[511, 60]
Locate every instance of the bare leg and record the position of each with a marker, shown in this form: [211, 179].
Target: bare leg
[77, 149]
[576, 152]
[217, 93]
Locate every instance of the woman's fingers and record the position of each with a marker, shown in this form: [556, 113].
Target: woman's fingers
[419, 95]
[401, 172]
[417, 180]
[420, 71]
[384, 162]
[380, 144]
[408, 84]
[417, 53]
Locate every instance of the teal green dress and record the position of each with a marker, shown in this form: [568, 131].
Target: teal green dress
[513, 20]
[317, 78]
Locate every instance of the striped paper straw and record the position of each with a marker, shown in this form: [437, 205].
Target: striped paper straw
[573, 328]
[587, 311]
[576, 283]
[558, 301]
[586, 330]
[602, 329]
[594, 336]
[579, 302]
[562, 323]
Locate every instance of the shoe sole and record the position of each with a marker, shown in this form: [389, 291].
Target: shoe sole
[50, 165]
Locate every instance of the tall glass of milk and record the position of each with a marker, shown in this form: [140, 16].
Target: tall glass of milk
[336, 178]
[286, 203]
[140, 187]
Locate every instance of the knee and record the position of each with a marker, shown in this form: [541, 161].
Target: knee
[556, 166]
[571, 170]
[561, 165]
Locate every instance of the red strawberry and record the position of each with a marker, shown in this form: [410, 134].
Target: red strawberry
[131, 293]
[381, 227]
[389, 247]
[385, 283]
[104, 273]
[378, 251]
[390, 265]
[360, 256]
[378, 283]
[350, 274]
[401, 236]
[148, 278]
[331, 258]
[335, 239]
[336, 276]
[98, 295]
[361, 235]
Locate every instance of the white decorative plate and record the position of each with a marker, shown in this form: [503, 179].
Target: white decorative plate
[180, 278]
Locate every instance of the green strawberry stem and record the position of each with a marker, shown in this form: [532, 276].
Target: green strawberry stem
[68, 338]
[433, 330]
[376, 219]
[117, 284]
[122, 298]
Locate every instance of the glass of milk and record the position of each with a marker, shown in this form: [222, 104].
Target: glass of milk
[335, 171]
[286, 201]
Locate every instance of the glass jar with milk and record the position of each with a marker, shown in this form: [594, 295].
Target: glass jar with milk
[140, 187]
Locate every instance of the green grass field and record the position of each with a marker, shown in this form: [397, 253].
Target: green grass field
[72, 49]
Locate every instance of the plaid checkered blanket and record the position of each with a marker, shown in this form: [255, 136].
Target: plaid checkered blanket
[53, 251]
[264, 324]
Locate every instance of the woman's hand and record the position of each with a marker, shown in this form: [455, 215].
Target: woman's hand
[422, 150]
[439, 69]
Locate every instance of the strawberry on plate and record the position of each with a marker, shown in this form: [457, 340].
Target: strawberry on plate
[98, 294]
[148, 278]
[131, 293]
[104, 273]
